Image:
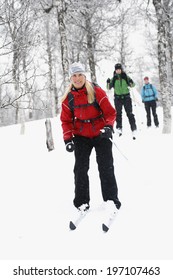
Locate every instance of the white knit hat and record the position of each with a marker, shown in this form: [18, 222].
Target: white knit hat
[76, 67]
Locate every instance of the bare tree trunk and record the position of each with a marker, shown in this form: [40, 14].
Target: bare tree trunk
[56, 99]
[49, 136]
[163, 66]
[61, 12]
[122, 46]
[90, 49]
[1, 114]
[51, 82]
[26, 90]
[90, 43]
[15, 73]
[169, 41]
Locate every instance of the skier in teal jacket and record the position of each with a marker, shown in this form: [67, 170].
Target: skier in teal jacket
[149, 96]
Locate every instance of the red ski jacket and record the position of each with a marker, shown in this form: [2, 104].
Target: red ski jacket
[86, 119]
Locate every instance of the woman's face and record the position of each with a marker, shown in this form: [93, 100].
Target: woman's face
[78, 80]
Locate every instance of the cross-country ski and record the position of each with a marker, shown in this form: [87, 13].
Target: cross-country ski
[106, 225]
[75, 223]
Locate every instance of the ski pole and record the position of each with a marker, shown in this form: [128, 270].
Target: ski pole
[118, 148]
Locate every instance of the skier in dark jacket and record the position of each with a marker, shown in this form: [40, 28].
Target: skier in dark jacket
[121, 83]
[87, 119]
[149, 96]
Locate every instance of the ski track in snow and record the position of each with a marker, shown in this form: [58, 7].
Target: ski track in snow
[37, 189]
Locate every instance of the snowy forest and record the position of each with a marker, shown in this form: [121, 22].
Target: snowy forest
[40, 39]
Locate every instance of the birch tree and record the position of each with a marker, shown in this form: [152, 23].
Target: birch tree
[11, 20]
[126, 25]
[168, 11]
[61, 7]
[90, 42]
[50, 65]
[89, 29]
[163, 64]
[19, 27]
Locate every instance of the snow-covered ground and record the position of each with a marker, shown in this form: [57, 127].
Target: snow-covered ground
[37, 190]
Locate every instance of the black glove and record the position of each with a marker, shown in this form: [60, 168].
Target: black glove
[106, 132]
[130, 82]
[156, 99]
[69, 145]
[108, 81]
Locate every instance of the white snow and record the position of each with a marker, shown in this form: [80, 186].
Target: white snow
[37, 190]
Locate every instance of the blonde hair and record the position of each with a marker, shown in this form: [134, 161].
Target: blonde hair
[89, 88]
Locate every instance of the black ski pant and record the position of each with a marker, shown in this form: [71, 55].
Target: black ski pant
[120, 101]
[104, 158]
[151, 106]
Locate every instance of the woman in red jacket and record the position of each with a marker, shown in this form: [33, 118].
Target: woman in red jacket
[87, 121]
